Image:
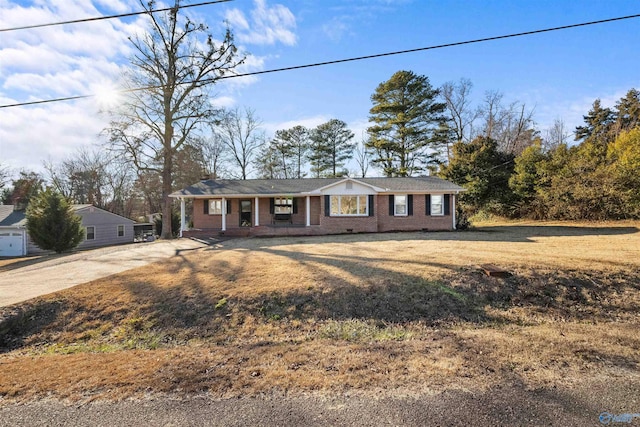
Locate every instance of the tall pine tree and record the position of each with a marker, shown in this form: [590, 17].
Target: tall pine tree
[331, 147]
[406, 117]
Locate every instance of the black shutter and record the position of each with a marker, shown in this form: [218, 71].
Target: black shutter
[228, 207]
[410, 204]
[447, 198]
[206, 207]
[295, 205]
[272, 203]
[371, 202]
[391, 210]
[427, 204]
[327, 205]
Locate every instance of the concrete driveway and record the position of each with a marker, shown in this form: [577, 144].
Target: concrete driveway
[61, 272]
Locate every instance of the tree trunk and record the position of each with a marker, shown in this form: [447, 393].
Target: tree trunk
[167, 173]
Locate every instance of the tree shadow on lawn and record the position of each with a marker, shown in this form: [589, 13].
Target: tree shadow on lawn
[341, 288]
[459, 294]
[498, 233]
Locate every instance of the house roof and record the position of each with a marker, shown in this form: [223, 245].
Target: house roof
[258, 187]
[11, 218]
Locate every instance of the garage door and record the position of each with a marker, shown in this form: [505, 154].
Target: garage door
[11, 243]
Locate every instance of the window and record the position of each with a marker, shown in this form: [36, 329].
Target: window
[215, 207]
[91, 233]
[348, 205]
[436, 204]
[121, 231]
[283, 205]
[400, 205]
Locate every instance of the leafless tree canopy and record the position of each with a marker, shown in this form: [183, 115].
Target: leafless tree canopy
[176, 62]
[512, 126]
[240, 132]
[462, 114]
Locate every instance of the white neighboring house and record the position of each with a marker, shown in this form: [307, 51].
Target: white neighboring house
[13, 233]
[101, 228]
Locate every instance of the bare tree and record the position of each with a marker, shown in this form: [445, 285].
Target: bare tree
[213, 152]
[174, 66]
[362, 156]
[462, 115]
[81, 177]
[556, 135]
[94, 176]
[511, 126]
[4, 176]
[268, 162]
[239, 130]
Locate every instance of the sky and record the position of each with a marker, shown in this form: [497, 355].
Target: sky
[557, 74]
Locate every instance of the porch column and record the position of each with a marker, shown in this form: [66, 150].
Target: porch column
[453, 210]
[224, 214]
[308, 210]
[257, 221]
[182, 216]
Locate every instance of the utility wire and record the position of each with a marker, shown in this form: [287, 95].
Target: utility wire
[359, 58]
[100, 18]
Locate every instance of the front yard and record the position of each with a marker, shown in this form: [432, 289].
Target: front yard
[368, 314]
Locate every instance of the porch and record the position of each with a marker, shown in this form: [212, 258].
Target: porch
[249, 216]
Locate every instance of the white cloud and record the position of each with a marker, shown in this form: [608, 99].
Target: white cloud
[68, 60]
[337, 28]
[269, 25]
[31, 134]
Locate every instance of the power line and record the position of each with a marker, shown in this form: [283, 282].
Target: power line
[359, 58]
[100, 18]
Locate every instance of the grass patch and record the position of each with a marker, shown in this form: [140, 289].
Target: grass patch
[340, 313]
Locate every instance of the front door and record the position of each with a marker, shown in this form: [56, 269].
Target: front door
[245, 213]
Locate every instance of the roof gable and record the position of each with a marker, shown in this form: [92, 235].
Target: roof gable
[89, 209]
[11, 218]
[348, 186]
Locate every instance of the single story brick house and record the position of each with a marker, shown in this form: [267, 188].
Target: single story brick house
[316, 206]
[101, 228]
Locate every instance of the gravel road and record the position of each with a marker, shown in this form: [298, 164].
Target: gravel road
[508, 405]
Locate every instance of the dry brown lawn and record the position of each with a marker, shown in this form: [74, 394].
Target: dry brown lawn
[371, 314]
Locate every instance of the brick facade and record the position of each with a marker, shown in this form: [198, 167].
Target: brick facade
[383, 220]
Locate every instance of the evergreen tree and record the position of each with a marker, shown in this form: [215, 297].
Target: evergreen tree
[331, 147]
[52, 224]
[293, 147]
[484, 172]
[627, 112]
[405, 117]
[597, 126]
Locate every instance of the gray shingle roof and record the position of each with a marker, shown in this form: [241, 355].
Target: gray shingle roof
[255, 187]
[11, 218]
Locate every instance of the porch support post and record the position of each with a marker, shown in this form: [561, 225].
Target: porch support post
[224, 214]
[257, 221]
[453, 210]
[183, 225]
[308, 210]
